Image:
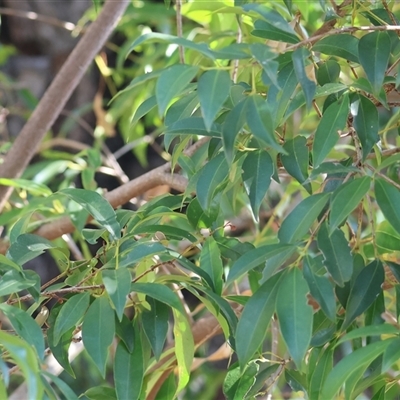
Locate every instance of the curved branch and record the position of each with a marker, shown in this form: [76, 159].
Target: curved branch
[56, 96]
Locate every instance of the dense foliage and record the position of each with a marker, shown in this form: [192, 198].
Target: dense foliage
[279, 123]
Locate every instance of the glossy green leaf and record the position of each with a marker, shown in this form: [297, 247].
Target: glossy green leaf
[118, 285]
[70, 314]
[260, 121]
[266, 30]
[238, 383]
[181, 109]
[26, 327]
[193, 126]
[213, 89]
[346, 199]
[337, 255]
[98, 331]
[279, 99]
[37, 189]
[388, 198]
[321, 289]
[254, 258]
[364, 291]
[254, 320]
[212, 177]
[258, 168]
[159, 292]
[143, 109]
[344, 46]
[25, 358]
[172, 82]
[358, 359]
[13, 282]
[370, 330]
[233, 124]
[299, 56]
[294, 314]
[366, 122]
[332, 122]
[391, 354]
[374, 54]
[129, 370]
[296, 160]
[387, 240]
[211, 263]
[321, 371]
[138, 252]
[184, 348]
[98, 207]
[155, 325]
[27, 247]
[101, 393]
[298, 223]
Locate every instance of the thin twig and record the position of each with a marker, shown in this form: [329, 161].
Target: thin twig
[179, 29]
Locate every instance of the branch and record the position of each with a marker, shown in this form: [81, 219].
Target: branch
[56, 96]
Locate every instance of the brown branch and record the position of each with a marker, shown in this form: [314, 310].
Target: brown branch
[53, 101]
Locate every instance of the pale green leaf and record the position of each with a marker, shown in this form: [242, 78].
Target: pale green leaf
[211, 263]
[388, 198]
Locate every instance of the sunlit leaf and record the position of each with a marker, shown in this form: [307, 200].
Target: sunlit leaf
[211, 263]
[239, 381]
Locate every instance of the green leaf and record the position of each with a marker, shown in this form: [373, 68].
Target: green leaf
[260, 121]
[125, 331]
[374, 54]
[371, 330]
[118, 285]
[211, 263]
[346, 199]
[254, 258]
[266, 30]
[138, 252]
[27, 247]
[26, 327]
[296, 160]
[387, 240]
[159, 292]
[258, 168]
[391, 354]
[101, 393]
[358, 359]
[299, 56]
[13, 282]
[264, 56]
[233, 124]
[181, 109]
[155, 325]
[237, 383]
[366, 122]
[172, 82]
[70, 314]
[254, 320]
[212, 177]
[193, 126]
[98, 330]
[328, 72]
[98, 207]
[129, 370]
[202, 48]
[298, 223]
[24, 356]
[333, 120]
[322, 369]
[184, 348]
[295, 315]
[344, 46]
[321, 289]
[364, 291]
[36, 189]
[337, 255]
[143, 109]
[213, 89]
[388, 198]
